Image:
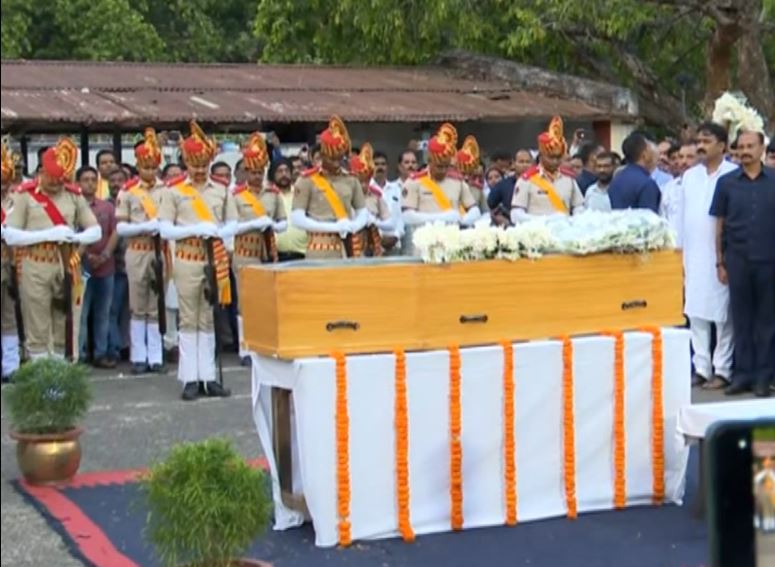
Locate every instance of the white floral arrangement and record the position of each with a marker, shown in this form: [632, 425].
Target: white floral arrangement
[627, 232]
[732, 111]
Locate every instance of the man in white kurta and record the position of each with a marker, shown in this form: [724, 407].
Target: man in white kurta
[706, 300]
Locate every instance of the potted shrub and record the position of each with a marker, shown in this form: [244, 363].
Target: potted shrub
[46, 401]
[206, 505]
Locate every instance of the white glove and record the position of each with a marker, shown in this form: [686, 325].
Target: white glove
[207, 230]
[228, 230]
[450, 216]
[88, 236]
[129, 230]
[261, 223]
[61, 233]
[372, 219]
[301, 221]
[519, 215]
[344, 226]
[279, 227]
[170, 231]
[471, 216]
[16, 237]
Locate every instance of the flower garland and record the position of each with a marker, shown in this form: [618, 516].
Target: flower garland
[657, 415]
[569, 434]
[620, 470]
[402, 448]
[455, 445]
[509, 443]
[343, 494]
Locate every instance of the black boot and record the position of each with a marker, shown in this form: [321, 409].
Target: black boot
[190, 391]
[158, 369]
[139, 368]
[246, 361]
[215, 390]
[737, 388]
[762, 389]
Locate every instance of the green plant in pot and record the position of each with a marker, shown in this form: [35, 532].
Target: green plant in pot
[46, 402]
[206, 505]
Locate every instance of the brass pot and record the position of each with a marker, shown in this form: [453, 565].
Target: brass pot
[48, 458]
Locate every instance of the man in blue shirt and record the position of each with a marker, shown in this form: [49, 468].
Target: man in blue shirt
[744, 207]
[633, 187]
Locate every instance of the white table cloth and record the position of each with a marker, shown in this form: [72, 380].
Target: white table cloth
[694, 420]
[538, 432]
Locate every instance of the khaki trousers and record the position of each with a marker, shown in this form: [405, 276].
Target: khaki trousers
[195, 312]
[143, 301]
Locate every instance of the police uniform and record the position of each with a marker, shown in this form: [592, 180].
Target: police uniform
[417, 196]
[10, 337]
[309, 198]
[46, 264]
[535, 199]
[185, 208]
[257, 246]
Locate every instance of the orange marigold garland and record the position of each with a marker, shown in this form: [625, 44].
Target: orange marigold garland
[343, 494]
[455, 444]
[657, 415]
[509, 443]
[620, 476]
[569, 434]
[402, 448]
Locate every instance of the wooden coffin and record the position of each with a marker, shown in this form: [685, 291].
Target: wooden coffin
[307, 309]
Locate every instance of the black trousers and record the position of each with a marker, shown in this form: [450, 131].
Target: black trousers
[752, 299]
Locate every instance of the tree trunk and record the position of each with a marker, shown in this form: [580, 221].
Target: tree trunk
[718, 65]
[752, 70]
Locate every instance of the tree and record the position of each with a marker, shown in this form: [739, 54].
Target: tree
[660, 49]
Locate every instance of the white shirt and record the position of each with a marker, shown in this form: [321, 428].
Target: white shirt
[705, 297]
[391, 193]
[670, 206]
[597, 199]
[661, 177]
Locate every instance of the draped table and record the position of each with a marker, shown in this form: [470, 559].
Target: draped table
[402, 444]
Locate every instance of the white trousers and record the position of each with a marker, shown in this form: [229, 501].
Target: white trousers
[721, 359]
[10, 362]
[197, 357]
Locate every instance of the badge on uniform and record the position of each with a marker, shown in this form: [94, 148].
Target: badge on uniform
[404, 192]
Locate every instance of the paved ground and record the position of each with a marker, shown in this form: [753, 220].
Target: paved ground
[134, 420]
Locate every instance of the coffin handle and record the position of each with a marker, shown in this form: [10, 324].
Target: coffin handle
[634, 304]
[481, 318]
[332, 326]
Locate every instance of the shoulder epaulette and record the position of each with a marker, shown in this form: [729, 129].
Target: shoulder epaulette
[27, 186]
[453, 173]
[476, 184]
[375, 190]
[72, 188]
[272, 189]
[132, 183]
[176, 180]
[310, 171]
[419, 174]
[239, 188]
[220, 180]
[530, 172]
[567, 171]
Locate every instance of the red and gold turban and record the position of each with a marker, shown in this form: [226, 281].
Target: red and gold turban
[58, 162]
[552, 141]
[254, 153]
[335, 140]
[443, 146]
[7, 164]
[148, 154]
[197, 149]
[468, 156]
[363, 163]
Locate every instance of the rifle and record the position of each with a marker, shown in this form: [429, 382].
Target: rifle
[158, 284]
[212, 297]
[13, 292]
[66, 252]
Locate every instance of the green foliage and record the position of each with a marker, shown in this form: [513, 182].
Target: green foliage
[206, 505]
[48, 396]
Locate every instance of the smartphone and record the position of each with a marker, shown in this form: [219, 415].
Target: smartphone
[739, 470]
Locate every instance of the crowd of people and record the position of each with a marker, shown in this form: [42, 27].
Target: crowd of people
[127, 261]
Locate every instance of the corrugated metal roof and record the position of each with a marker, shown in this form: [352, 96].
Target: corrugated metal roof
[38, 94]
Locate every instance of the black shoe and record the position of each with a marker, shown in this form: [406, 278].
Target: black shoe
[139, 368]
[698, 380]
[105, 362]
[246, 361]
[171, 355]
[762, 390]
[190, 392]
[736, 388]
[215, 390]
[158, 369]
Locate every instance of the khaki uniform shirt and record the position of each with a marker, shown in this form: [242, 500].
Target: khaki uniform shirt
[535, 200]
[5, 251]
[129, 208]
[416, 196]
[376, 206]
[28, 214]
[310, 199]
[177, 208]
[270, 199]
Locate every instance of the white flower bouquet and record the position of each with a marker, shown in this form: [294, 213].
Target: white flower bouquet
[629, 232]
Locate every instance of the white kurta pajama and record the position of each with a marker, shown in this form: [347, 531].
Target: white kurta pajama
[706, 299]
